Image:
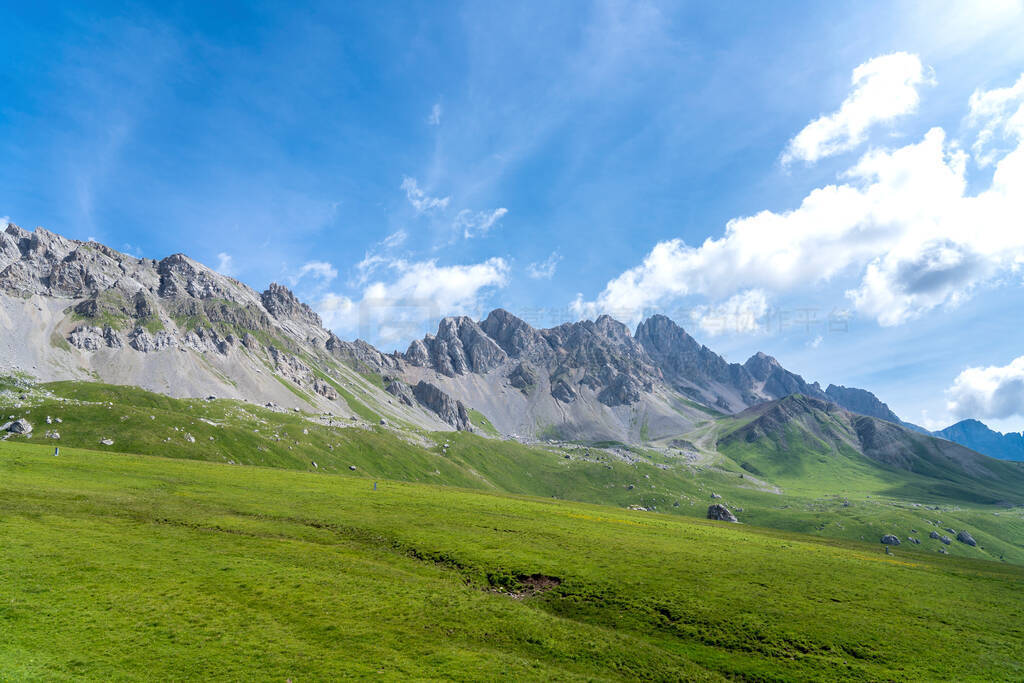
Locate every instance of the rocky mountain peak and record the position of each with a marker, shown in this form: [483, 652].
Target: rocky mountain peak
[761, 365]
[515, 336]
[284, 305]
[459, 347]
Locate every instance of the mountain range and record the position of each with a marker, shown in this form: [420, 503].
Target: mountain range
[81, 310]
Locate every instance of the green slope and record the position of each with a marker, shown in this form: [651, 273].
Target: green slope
[116, 566]
[825, 493]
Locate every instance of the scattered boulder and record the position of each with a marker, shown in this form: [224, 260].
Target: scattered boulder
[20, 426]
[934, 534]
[719, 512]
[352, 467]
[965, 537]
[107, 442]
[945, 539]
[52, 434]
[890, 539]
[715, 496]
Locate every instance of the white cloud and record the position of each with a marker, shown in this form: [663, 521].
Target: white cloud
[435, 115]
[319, 270]
[544, 270]
[742, 313]
[999, 113]
[419, 292]
[816, 342]
[475, 224]
[901, 225]
[225, 264]
[994, 392]
[375, 256]
[884, 89]
[419, 199]
[335, 310]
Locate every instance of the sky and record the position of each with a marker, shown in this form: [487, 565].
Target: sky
[840, 185]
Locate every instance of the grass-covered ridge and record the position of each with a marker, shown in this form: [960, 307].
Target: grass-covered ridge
[853, 502]
[219, 572]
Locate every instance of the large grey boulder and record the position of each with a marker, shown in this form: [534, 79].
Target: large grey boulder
[965, 537]
[934, 534]
[720, 513]
[889, 539]
[21, 426]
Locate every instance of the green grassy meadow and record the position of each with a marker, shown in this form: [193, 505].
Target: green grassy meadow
[122, 567]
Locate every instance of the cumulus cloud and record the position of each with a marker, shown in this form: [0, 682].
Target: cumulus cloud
[418, 292]
[901, 225]
[883, 89]
[319, 270]
[478, 223]
[742, 313]
[435, 115]
[999, 115]
[225, 264]
[544, 270]
[994, 392]
[419, 199]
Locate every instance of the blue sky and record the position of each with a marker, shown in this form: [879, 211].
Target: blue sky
[394, 162]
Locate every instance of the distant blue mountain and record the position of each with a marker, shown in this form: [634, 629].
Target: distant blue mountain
[978, 437]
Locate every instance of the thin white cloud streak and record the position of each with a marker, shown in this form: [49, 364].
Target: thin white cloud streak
[478, 223]
[883, 89]
[993, 392]
[901, 224]
[544, 270]
[419, 199]
[435, 115]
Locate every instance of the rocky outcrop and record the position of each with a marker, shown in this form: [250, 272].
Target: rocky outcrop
[283, 305]
[448, 409]
[401, 391]
[777, 381]
[522, 378]
[324, 389]
[90, 338]
[20, 426]
[860, 401]
[141, 340]
[459, 347]
[720, 513]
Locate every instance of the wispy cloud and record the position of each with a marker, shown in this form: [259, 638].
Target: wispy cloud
[477, 223]
[321, 271]
[225, 264]
[544, 270]
[435, 115]
[419, 199]
[884, 89]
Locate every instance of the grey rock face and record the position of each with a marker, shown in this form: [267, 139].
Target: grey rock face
[522, 378]
[460, 347]
[890, 539]
[324, 389]
[719, 512]
[860, 401]
[965, 537]
[401, 391]
[283, 305]
[561, 390]
[90, 338]
[448, 409]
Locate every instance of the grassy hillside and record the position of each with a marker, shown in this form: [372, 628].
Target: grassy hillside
[118, 566]
[832, 495]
